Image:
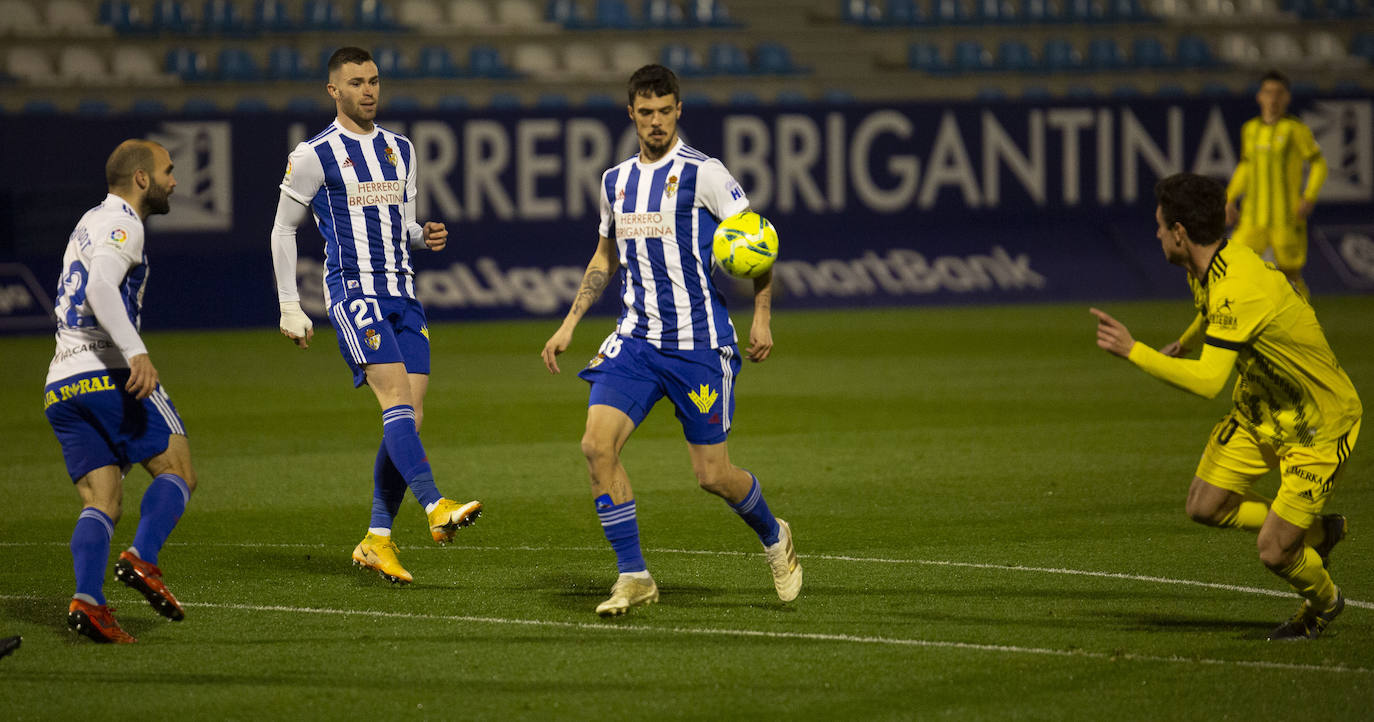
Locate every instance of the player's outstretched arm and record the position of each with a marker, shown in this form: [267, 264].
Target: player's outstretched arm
[760, 330]
[1204, 377]
[605, 262]
[294, 324]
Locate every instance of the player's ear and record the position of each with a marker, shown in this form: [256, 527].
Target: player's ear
[141, 179]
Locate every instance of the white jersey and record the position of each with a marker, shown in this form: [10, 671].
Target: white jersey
[112, 228]
[358, 187]
[662, 216]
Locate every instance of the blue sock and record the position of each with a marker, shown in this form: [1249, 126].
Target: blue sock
[402, 443]
[755, 512]
[90, 551]
[388, 489]
[622, 531]
[162, 505]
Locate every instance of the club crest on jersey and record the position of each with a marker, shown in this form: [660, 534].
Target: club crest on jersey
[286, 177]
[704, 399]
[390, 155]
[119, 235]
[670, 189]
[372, 339]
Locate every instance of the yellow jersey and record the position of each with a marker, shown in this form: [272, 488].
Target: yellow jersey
[1289, 386]
[1269, 176]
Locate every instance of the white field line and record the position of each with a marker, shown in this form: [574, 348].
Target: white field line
[758, 634]
[827, 557]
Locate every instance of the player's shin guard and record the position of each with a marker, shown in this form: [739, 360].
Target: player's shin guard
[388, 490]
[755, 512]
[1310, 579]
[1249, 515]
[158, 513]
[621, 527]
[402, 442]
[90, 550]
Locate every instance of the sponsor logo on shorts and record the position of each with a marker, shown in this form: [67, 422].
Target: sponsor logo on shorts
[372, 339]
[77, 388]
[424, 330]
[596, 361]
[704, 399]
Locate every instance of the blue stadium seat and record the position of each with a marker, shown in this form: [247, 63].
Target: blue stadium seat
[1170, 90]
[1148, 52]
[252, 104]
[199, 106]
[322, 15]
[993, 12]
[991, 92]
[1060, 55]
[1216, 90]
[284, 63]
[236, 65]
[1362, 46]
[697, 100]
[791, 97]
[1014, 56]
[1125, 90]
[1078, 12]
[926, 57]
[662, 14]
[971, 56]
[270, 16]
[374, 15]
[452, 102]
[1125, 11]
[1192, 52]
[774, 59]
[683, 60]
[39, 106]
[120, 15]
[436, 62]
[1302, 88]
[601, 100]
[222, 17]
[1105, 55]
[708, 13]
[1305, 9]
[902, 13]
[565, 13]
[725, 58]
[188, 64]
[171, 16]
[390, 62]
[148, 106]
[92, 106]
[837, 96]
[1035, 92]
[859, 12]
[504, 101]
[403, 104]
[744, 97]
[304, 104]
[612, 14]
[485, 62]
[551, 100]
[1344, 9]
[947, 12]
[1039, 12]
[1081, 92]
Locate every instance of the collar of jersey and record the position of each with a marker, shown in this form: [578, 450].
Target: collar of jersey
[369, 136]
[667, 157]
[1213, 262]
[112, 197]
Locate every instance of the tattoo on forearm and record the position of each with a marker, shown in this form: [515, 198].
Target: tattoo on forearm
[592, 285]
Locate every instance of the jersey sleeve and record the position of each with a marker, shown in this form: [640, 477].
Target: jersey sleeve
[1236, 311]
[123, 236]
[718, 191]
[607, 226]
[304, 175]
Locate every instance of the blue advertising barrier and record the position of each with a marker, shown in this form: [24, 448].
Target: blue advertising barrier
[876, 204]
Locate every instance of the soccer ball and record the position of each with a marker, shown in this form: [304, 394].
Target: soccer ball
[745, 245]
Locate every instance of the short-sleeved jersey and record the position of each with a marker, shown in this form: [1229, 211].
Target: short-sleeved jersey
[113, 227]
[1289, 387]
[357, 187]
[1270, 177]
[662, 216]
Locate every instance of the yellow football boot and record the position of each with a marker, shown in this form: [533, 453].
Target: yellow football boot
[449, 516]
[379, 552]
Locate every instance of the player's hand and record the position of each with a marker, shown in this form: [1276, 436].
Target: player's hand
[1174, 350]
[1112, 335]
[760, 341]
[1304, 209]
[142, 377]
[295, 325]
[436, 235]
[557, 343]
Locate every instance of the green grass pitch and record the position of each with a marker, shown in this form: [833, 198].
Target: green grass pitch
[988, 508]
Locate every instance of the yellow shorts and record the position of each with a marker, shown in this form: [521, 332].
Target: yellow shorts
[1289, 244]
[1236, 457]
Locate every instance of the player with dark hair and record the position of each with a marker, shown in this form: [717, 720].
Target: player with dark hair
[1274, 147]
[103, 398]
[674, 336]
[1295, 408]
[359, 179]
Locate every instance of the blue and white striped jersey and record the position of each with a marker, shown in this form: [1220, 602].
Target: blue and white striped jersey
[360, 189]
[662, 216]
[111, 230]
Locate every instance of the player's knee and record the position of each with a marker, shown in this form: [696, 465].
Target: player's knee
[598, 450]
[1274, 555]
[1203, 512]
[713, 479]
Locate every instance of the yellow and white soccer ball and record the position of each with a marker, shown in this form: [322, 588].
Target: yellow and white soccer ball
[745, 245]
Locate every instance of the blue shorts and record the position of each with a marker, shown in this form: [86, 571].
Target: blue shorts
[381, 330]
[100, 424]
[630, 374]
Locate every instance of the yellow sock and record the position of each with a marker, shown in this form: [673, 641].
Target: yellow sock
[1249, 514]
[1309, 579]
